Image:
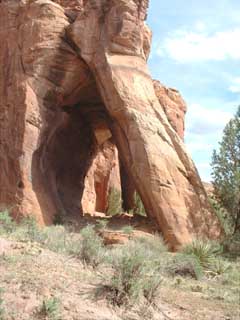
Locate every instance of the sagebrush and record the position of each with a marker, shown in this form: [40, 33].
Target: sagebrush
[91, 250]
[134, 275]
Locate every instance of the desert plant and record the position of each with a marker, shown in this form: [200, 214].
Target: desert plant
[32, 231]
[231, 275]
[56, 239]
[28, 230]
[114, 202]
[139, 207]
[151, 284]
[133, 275]
[153, 243]
[7, 225]
[50, 309]
[204, 250]
[220, 266]
[185, 266]
[2, 310]
[128, 229]
[91, 249]
[223, 216]
[101, 224]
[231, 245]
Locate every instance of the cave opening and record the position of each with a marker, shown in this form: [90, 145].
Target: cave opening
[70, 155]
[61, 163]
[79, 162]
[77, 166]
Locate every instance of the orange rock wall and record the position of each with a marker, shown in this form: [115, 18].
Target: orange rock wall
[173, 105]
[74, 89]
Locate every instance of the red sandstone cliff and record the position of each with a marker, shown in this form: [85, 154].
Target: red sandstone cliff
[173, 105]
[74, 89]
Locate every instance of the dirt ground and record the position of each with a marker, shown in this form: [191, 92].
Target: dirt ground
[30, 275]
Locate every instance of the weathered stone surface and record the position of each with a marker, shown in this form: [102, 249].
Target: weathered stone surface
[173, 105]
[71, 7]
[209, 188]
[175, 109]
[103, 175]
[72, 77]
[46, 153]
[41, 72]
[111, 41]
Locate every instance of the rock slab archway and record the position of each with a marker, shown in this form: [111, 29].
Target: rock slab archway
[90, 56]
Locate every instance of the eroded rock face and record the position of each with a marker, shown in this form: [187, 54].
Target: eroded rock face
[110, 36]
[55, 154]
[175, 109]
[102, 176]
[173, 105]
[74, 83]
[41, 73]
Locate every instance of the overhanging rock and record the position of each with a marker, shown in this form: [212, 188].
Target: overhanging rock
[67, 68]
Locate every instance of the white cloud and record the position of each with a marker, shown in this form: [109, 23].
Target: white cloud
[202, 120]
[200, 26]
[197, 145]
[235, 86]
[188, 46]
[204, 127]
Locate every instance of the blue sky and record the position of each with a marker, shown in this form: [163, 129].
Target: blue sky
[196, 49]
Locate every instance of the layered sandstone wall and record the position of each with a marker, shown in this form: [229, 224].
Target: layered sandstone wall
[40, 72]
[173, 105]
[41, 77]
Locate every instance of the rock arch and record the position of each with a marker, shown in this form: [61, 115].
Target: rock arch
[57, 58]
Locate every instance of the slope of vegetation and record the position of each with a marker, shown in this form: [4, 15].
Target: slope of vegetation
[52, 273]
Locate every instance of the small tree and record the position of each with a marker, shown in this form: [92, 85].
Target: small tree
[226, 170]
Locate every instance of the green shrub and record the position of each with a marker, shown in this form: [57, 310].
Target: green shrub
[30, 229]
[151, 284]
[134, 276]
[50, 309]
[231, 245]
[204, 250]
[55, 238]
[91, 249]
[219, 266]
[139, 207]
[223, 216]
[128, 229]
[231, 276]
[7, 225]
[114, 202]
[2, 310]
[226, 170]
[154, 244]
[101, 224]
[58, 239]
[185, 266]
